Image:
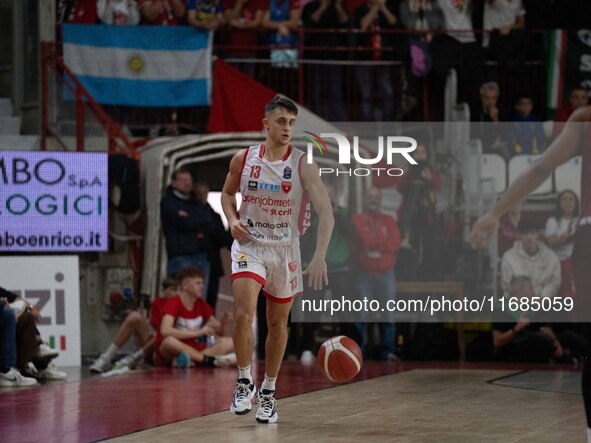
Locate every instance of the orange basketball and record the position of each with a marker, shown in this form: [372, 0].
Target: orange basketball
[340, 359]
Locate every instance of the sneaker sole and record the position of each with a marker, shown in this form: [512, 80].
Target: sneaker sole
[245, 411]
[268, 421]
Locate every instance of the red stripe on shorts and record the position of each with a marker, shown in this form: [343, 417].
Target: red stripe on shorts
[247, 274]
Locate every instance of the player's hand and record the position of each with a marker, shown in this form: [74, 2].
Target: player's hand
[283, 30]
[483, 230]
[206, 331]
[317, 273]
[238, 229]
[183, 213]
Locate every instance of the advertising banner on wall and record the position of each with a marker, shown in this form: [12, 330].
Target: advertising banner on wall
[53, 201]
[50, 284]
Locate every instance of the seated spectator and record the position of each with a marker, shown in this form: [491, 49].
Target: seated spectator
[243, 18]
[532, 258]
[77, 11]
[161, 12]
[118, 12]
[419, 226]
[370, 18]
[282, 18]
[578, 97]
[487, 117]
[136, 325]
[325, 80]
[527, 132]
[505, 22]
[560, 232]
[33, 356]
[507, 233]
[517, 338]
[203, 14]
[186, 325]
[9, 375]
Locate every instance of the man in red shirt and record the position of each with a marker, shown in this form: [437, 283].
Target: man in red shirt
[161, 12]
[577, 99]
[378, 239]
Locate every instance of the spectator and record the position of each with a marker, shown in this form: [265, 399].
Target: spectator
[203, 14]
[9, 374]
[505, 22]
[370, 18]
[243, 18]
[487, 117]
[33, 356]
[77, 11]
[186, 324]
[458, 49]
[161, 12]
[560, 232]
[530, 257]
[419, 225]
[118, 12]
[282, 18]
[517, 338]
[419, 15]
[135, 325]
[527, 134]
[507, 233]
[325, 14]
[378, 240]
[578, 98]
[220, 238]
[187, 224]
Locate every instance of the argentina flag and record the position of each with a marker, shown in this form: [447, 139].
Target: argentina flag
[141, 65]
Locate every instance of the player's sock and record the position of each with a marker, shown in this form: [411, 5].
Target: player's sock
[111, 352]
[245, 373]
[268, 383]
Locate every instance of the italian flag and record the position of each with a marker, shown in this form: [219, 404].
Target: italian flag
[556, 65]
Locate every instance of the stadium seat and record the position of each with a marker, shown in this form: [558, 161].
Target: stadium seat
[520, 163]
[568, 175]
[495, 169]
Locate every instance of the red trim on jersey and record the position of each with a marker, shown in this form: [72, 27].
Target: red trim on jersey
[286, 156]
[261, 150]
[247, 274]
[244, 161]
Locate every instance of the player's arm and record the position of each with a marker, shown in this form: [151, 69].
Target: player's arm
[317, 268]
[228, 199]
[562, 149]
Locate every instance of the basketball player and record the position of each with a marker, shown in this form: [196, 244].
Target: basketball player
[274, 179]
[573, 140]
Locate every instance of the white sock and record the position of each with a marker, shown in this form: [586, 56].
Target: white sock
[588, 435]
[138, 354]
[111, 352]
[268, 383]
[245, 373]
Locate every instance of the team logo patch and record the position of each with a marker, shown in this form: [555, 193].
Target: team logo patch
[252, 185]
[242, 265]
[287, 173]
[286, 187]
[242, 256]
[293, 266]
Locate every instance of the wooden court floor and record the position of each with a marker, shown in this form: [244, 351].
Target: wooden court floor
[389, 402]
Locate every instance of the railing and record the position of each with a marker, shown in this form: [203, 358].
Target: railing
[71, 115]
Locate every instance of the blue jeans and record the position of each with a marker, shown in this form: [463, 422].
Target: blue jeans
[381, 287]
[199, 260]
[7, 338]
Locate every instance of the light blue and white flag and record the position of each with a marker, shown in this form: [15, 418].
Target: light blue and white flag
[141, 65]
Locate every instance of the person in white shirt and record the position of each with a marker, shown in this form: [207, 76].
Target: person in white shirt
[505, 22]
[118, 12]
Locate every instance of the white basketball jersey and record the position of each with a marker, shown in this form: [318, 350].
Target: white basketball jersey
[274, 203]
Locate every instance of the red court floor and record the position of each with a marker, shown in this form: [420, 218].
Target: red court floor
[89, 408]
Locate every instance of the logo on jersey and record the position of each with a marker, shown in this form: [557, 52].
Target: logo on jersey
[286, 187]
[242, 257]
[269, 187]
[252, 185]
[287, 173]
[293, 266]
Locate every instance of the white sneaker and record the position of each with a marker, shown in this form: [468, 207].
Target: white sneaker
[307, 358]
[45, 352]
[225, 360]
[51, 372]
[127, 361]
[14, 378]
[100, 365]
[243, 394]
[267, 411]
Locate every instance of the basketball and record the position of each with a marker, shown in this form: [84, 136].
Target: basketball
[340, 359]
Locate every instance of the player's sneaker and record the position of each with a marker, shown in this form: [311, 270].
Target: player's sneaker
[267, 411]
[101, 364]
[128, 361]
[243, 394]
[51, 372]
[45, 352]
[13, 377]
